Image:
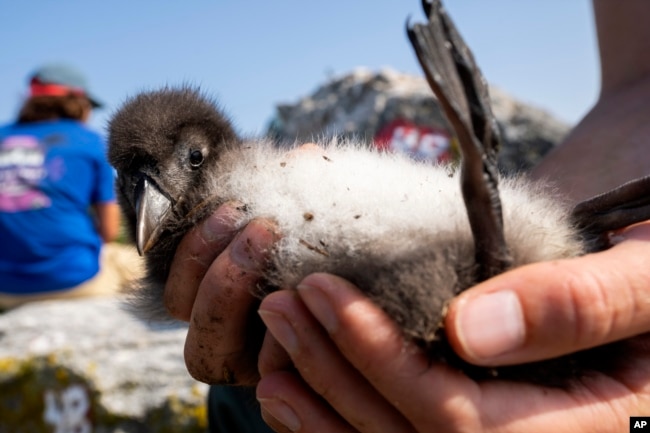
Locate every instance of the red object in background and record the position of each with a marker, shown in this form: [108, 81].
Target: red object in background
[420, 142]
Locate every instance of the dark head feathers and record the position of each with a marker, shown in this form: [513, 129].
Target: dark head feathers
[175, 131]
[163, 145]
[163, 114]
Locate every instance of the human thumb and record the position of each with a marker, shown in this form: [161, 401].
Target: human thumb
[548, 309]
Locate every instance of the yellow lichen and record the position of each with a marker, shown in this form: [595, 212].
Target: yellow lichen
[8, 365]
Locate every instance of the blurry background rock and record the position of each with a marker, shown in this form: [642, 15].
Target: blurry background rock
[387, 105]
[89, 366]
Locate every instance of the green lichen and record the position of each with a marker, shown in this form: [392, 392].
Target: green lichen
[23, 386]
[176, 415]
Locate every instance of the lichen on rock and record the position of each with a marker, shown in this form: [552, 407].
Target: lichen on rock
[89, 366]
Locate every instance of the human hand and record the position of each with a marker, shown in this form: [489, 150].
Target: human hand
[350, 369]
[209, 285]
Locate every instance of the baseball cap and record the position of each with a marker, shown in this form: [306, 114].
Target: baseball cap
[59, 80]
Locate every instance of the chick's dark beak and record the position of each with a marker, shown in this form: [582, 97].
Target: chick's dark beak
[151, 207]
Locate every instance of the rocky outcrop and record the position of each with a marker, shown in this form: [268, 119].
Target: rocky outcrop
[360, 104]
[90, 366]
[528, 132]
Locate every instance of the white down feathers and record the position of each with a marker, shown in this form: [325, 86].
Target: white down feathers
[345, 201]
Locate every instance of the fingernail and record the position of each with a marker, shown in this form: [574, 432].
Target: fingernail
[319, 305]
[491, 325]
[246, 254]
[640, 231]
[616, 237]
[281, 330]
[281, 412]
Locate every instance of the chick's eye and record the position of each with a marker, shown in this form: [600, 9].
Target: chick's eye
[196, 158]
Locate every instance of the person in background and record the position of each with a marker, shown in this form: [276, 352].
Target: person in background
[57, 201]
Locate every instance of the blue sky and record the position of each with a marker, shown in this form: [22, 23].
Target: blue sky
[252, 55]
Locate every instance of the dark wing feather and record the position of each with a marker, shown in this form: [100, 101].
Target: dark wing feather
[628, 204]
[462, 93]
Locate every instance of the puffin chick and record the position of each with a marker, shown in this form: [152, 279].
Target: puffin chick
[396, 228]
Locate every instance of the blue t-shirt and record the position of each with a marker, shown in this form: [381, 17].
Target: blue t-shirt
[50, 174]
